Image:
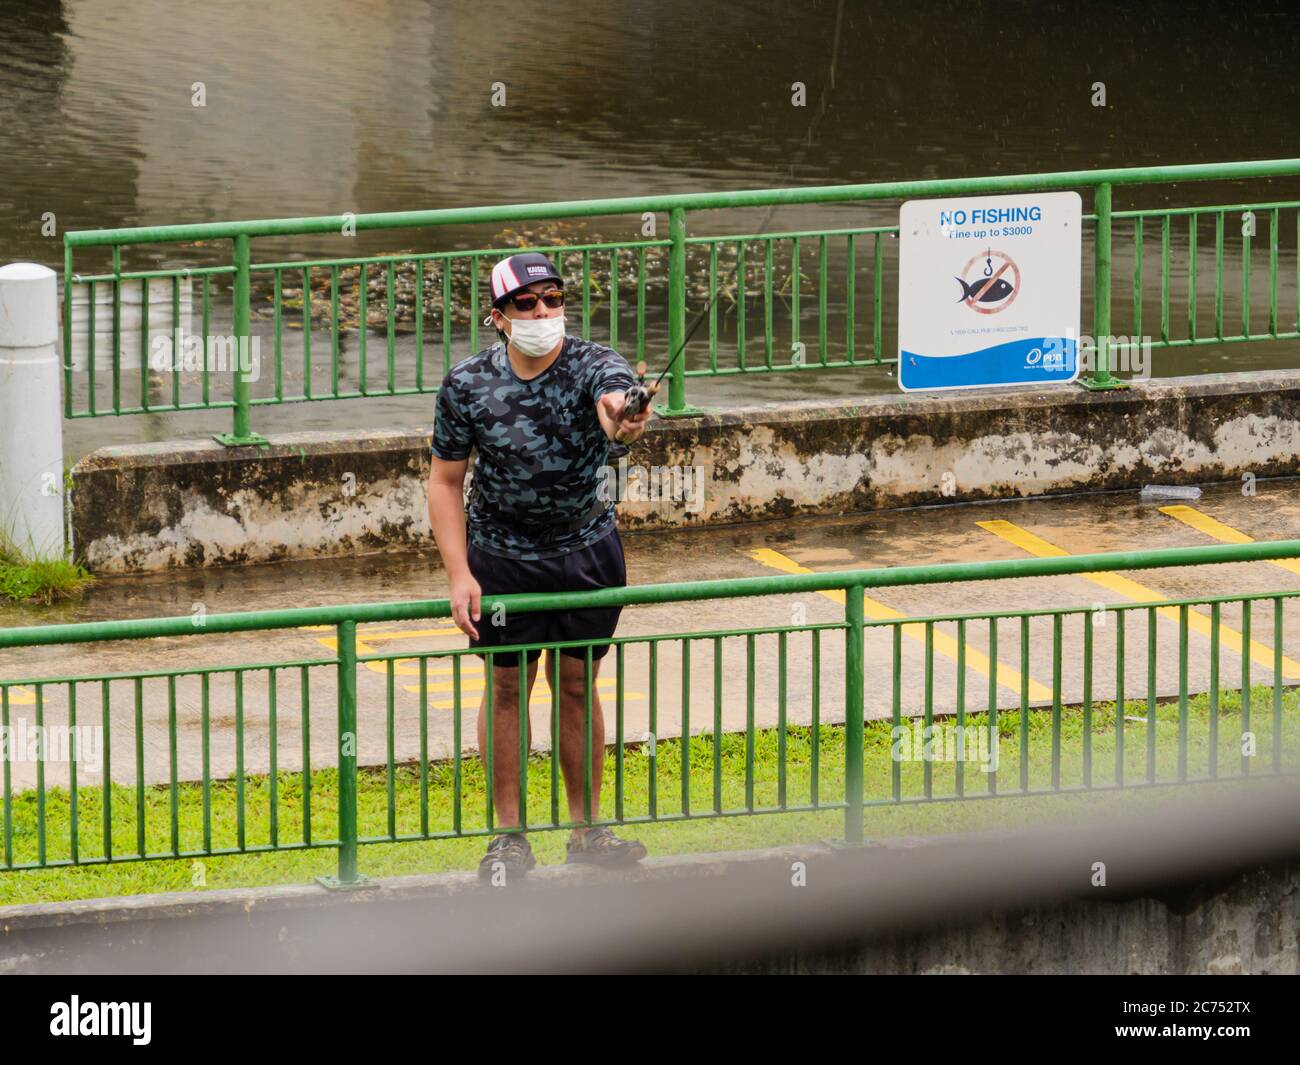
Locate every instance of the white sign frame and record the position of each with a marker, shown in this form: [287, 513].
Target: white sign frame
[1014, 265]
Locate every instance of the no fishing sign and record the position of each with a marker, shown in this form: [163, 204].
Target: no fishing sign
[988, 291]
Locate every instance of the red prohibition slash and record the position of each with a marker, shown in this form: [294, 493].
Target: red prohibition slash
[978, 287]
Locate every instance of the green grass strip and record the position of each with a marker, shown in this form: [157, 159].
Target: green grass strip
[883, 817]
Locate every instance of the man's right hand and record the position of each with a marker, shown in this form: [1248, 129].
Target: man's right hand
[465, 600]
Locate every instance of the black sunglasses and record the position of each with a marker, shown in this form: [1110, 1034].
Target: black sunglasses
[526, 301]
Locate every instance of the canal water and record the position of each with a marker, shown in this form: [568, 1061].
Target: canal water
[389, 105]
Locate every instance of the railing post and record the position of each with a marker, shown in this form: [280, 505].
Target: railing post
[677, 310]
[854, 637]
[1100, 376]
[241, 324]
[348, 876]
[67, 331]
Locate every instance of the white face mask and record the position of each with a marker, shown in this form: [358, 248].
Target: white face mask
[536, 337]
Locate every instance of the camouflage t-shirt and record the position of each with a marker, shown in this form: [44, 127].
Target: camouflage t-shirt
[541, 449]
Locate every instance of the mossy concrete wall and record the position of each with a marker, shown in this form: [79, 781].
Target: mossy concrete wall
[156, 506]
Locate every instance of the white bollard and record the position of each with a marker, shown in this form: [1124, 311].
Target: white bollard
[31, 415]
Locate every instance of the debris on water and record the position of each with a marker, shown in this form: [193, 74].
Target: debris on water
[335, 290]
[1170, 491]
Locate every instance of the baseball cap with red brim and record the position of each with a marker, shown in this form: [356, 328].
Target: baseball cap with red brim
[516, 272]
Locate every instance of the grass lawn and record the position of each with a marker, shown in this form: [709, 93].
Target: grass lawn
[275, 809]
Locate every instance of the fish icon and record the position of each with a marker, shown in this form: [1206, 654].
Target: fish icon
[994, 293]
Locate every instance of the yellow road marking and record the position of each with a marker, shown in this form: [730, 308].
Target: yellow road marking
[480, 684]
[1224, 533]
[396, 634]
[22, 697]
[366, 642]
[1140, 593]
[943, 643]
[541, 695]
[471, 670]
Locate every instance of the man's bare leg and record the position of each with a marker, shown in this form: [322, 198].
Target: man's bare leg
[596, 846]
[505, 738]
[572, 745]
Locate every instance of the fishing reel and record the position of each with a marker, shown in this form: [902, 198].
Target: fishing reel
[636, 399]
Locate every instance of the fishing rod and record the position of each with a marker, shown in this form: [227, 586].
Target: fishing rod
[639, 396]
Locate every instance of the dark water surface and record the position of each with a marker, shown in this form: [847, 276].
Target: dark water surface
[338, 106]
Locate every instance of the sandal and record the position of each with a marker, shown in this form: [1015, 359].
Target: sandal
[599, 846]
[513, 851]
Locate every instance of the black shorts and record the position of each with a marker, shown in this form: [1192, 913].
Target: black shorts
[598, 565]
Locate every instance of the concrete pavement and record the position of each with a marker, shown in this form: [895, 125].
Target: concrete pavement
[969, 532]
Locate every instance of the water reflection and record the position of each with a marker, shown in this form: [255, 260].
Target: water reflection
[387, 105]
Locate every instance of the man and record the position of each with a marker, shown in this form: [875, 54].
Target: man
[541, 408]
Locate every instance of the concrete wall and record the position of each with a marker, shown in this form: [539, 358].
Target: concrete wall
[692, 912]
[155, 506]
[1205, 882]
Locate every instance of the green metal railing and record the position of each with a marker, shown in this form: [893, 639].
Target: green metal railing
[213, 714]
[758, 289]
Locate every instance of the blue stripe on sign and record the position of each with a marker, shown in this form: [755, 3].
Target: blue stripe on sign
[1017, 362]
